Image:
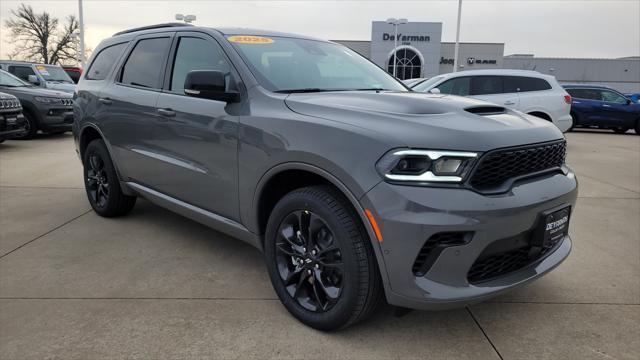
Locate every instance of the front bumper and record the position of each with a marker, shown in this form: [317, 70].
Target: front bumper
[409, 215]
[11, 125]
[56, 118]
[564, 122]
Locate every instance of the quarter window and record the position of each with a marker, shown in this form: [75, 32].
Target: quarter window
[458, 86]
[145, 65]
[530, 83]
[104, 61]
[196, 54]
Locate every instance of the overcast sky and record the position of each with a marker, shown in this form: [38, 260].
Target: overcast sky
[564, 28]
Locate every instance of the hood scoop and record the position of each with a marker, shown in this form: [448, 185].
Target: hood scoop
[485, 110]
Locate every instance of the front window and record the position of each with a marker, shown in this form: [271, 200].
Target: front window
[288, 65]
[9, 80]
[53, 73]
[610, 96]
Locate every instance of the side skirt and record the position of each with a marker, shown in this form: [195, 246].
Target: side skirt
[214, 221]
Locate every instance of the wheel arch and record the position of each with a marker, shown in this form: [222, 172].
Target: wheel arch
[90, 132]
[262, 205]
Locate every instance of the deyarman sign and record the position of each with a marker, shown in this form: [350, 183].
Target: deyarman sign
[406, 38]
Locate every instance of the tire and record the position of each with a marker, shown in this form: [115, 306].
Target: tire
[620, 130]
[31, 127]
[344, 294]
[637, 129]
[102, 184]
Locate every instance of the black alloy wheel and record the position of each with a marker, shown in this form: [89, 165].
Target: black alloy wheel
[102, 184]
[309, 261]
[97, 180]
[320, 259]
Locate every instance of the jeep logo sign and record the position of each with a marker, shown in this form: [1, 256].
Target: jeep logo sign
[406, 38]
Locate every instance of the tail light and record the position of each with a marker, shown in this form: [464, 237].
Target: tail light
[567, 99]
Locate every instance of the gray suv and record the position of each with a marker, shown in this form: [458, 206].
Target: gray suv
[47, 110]
[354, 187]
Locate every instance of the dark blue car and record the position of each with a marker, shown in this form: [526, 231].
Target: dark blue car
[604, 108]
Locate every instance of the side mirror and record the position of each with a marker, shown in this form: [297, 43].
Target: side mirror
[33, 79]
[629, 101]
[435, 91]
[209, 84]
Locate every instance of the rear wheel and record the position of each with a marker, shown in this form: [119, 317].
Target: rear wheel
[320, 259]
[102, 184]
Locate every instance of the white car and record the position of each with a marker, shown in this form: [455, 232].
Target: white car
[527, 91]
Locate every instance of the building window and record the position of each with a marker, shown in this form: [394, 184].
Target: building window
[408, 65]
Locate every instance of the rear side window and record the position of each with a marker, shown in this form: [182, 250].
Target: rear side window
[524, 83]
[486, 85]
[22, 72]
[587, 94]
[196, 54]
[103, 62]
[610, 96]
[145, 65]
[457, 86]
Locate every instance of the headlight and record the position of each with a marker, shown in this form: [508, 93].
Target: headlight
[426, 165]
[48, 100]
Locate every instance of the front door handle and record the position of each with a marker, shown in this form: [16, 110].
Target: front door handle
[605, 105]
[509, 102]
[166, 112]
[105, 101]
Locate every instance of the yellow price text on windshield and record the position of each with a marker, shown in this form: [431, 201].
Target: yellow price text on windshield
[246, 39]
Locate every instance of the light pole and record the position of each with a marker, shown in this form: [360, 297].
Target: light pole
[81, 29]
[188, 19]
[395, 23]
[457, 47]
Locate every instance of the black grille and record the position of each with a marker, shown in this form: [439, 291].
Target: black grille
[433, 246]
[499, 166]
[499, 264]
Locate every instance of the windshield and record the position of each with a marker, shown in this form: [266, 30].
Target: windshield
[9, 80]
[298, 65]
[426, 86]
[53, 73]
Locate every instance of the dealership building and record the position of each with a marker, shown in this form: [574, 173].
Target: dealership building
[420, 52]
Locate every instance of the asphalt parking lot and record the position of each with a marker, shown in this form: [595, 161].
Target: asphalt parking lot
[156, 285]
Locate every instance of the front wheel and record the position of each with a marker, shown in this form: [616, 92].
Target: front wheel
[637, 127]
[320, 259]
[30, 127]
[102, 184]
[620, 130]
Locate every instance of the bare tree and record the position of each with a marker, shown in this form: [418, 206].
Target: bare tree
[39, 38]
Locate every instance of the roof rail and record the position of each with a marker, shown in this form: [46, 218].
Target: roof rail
[149, 27]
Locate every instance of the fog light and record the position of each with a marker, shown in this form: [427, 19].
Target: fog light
[446, 166]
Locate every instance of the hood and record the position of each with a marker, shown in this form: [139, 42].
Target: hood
[35, 91]
[427, 120]
[66, 87]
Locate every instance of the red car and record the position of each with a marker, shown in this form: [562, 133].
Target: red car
[74, 72]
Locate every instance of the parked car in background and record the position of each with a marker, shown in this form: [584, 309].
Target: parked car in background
[47, 110]
[52, 77]
[12, 122]
[74, 72]
[352, 185]
[604, 108]
[528, 91]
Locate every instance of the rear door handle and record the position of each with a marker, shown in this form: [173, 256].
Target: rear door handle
[105, 101]
[577, 102]
[509, 102]
[605, 105]
[166, 112]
